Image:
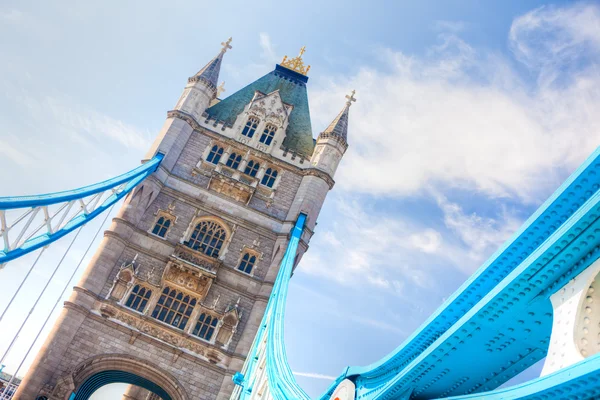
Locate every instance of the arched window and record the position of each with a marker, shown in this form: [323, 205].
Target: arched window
[269, 177]
[247, 263]
[215, 154]
[161, 227]
[234, 161]
[250, 127]
[252, 168]
[268, 134]
[174, 308]
[205, 327]
[208, 237]
[138, 298]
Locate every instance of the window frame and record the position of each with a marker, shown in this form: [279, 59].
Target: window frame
[211, 225]
[213, 324]
[143, 297]
[268, 177]
[214, 154]
[185, 315]
[250, 126]
[250, 255]
[268, 136]
[237, 160]
[255, 167]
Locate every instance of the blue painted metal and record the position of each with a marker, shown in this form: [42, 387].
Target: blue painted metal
[130, 180]
[502, 315]
[578, 381]
[104, 378]
[282, 383]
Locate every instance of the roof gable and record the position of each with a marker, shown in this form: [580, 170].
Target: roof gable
[291, 87]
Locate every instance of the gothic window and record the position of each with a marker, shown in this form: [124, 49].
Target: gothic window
[208, 237]
[215, 154]
[247, 263]
[174, 308]
[252, 168]
[268, 134]
[205, 327]
[269, 177]
[250, 127]
[234, 161]
[161, 227]
[138, 298]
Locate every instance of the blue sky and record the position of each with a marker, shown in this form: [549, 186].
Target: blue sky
[469, 115]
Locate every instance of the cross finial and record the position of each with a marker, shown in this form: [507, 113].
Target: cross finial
[226, 45]
[350, 98]
[302, 51]
[221, 89]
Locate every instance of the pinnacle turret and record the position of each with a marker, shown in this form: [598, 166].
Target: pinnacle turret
[338, 128]
[210, 72]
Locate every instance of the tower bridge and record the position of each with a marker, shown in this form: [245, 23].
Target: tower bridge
[185, 297]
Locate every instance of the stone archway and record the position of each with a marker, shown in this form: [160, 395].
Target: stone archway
[110, 368]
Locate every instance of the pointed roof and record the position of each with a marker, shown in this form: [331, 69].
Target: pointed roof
[292, 89]
[210, 72]
[339, 126]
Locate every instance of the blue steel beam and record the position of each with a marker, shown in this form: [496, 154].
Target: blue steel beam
[117, 188]
[578, 381]
[574, 205]
[281, 381]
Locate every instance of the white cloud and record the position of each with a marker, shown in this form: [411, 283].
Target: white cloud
[463, 118]
[268, 50]
[12, 15]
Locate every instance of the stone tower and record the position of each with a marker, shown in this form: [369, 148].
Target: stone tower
[173, 297]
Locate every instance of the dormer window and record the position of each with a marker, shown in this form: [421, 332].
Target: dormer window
[215, 154]
[250, 127]
[268, 134]
[252, 168]
[269, 177]
[234, 161]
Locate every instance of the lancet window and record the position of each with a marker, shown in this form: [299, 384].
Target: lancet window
[161, 227]
[215, 154]
[138, 298]
[269, 177]
[205, 327]
[252, 168]
[250, 127]
[174, 307]
[247, 263]
[234, 161]
[208, 237]
[268, 134]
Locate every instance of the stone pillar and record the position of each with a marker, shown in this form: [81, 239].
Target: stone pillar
[136, 393]
[575, 325]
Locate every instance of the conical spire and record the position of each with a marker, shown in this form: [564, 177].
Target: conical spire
[210, 72]
[339, 126]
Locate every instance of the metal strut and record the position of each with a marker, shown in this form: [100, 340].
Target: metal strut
[23, 228]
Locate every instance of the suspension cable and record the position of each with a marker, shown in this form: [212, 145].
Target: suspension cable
[40, 296]
[58, 299]
[22, 282]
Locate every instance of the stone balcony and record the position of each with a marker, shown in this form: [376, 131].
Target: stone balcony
[191, 258]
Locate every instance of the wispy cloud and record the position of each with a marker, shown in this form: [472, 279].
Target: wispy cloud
[11, 15]
[462, 117]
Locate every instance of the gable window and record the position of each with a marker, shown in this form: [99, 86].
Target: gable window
[215, 154]
[208, 237]
[268, 134]
[250, 127]
[205, 327]
[247, 263]
[269, 177]
[234, 161]
[138, 298]
[174, 308]
[161, 227]
[252, 168]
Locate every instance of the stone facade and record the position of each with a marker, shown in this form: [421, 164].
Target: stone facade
[103, 328]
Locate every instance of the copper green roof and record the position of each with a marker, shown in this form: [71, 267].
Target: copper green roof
[292, 89]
